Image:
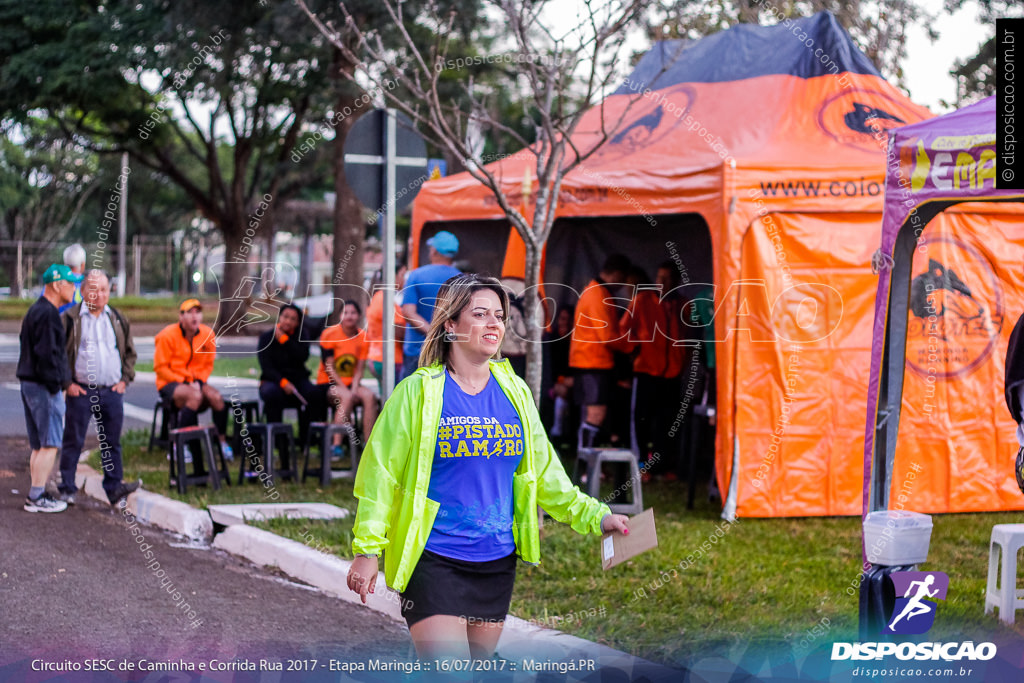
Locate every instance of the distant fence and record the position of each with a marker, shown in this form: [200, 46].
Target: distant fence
[152, 264]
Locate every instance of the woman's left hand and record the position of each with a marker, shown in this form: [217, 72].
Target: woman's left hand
[615, 523]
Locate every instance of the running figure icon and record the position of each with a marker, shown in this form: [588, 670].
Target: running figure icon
[914, 606]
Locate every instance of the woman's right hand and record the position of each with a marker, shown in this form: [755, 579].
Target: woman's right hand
[362, 576]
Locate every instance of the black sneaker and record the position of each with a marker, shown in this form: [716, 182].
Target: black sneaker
[122, 491]
[68, 498]
[45, 503]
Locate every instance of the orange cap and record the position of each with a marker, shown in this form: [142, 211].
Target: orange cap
[189, 304]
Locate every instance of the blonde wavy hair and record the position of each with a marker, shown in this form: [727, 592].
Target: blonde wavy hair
[452, 299]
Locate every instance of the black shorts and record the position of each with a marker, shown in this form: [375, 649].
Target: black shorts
[477, 591]
[167, 393]
[593, 387]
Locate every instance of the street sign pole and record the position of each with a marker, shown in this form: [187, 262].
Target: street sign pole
[389, 257]
[383, 151]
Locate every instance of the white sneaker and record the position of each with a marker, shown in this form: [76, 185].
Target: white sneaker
[188, 455]
[45, 503]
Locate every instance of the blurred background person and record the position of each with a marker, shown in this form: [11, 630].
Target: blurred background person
[284, 377]
[375, 333]
[101, 358]
[74, 258]
[183, 358]
[343, 353]
[44, 374]
[594, 342]
[420, 292]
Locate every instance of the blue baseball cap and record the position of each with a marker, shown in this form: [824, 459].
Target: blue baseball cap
[445, 243]
[57, 272]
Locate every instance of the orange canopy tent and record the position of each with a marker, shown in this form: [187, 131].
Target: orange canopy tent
[754, 158]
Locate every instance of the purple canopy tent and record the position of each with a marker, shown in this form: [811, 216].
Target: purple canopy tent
[932, 166]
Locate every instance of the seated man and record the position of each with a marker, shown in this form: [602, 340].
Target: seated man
[183, 362]
[284, 378]
[343, 351]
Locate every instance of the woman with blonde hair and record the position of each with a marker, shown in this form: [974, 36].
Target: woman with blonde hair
[451, 477]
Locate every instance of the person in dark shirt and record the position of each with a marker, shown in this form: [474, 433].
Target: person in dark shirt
[44, 373]
[284, 378]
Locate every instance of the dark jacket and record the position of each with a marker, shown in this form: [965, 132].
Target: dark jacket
[1014, 369]
[43, 359]
[282, 360]
[72, 319]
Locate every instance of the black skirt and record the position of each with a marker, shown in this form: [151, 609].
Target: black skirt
[476, 591]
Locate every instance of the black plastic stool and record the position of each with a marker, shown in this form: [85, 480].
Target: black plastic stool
[250, 413]
[267, 433]
[322, 434]
[168, 421]
[207, 438]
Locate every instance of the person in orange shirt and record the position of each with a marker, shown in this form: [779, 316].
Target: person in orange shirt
[595, 340]
[375, 333]
[183, 362]
[652, 325]
[343, 351]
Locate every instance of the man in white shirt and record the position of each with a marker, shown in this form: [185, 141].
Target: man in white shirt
[102, 358]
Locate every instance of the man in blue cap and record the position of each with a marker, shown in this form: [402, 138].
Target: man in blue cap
[421, 287]
[44, 373]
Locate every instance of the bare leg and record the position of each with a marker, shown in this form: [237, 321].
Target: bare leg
[337, 398]
[596, 414]
[213, 397]
[442, 637]
[369, 402]
[40, 465]
[483, 638]
[187, 396]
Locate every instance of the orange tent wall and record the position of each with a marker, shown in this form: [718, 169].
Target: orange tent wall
[955, 430]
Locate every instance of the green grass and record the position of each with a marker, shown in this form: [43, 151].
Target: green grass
[135, 308]
[767, 581]
[236, 366]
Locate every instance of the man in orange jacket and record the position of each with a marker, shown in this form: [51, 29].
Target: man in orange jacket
[183, 361]
[595, 339]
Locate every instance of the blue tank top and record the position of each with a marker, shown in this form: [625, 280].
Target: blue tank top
[479, 446]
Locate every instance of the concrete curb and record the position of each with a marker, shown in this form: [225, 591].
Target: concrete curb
[152, 508]
[326, 572]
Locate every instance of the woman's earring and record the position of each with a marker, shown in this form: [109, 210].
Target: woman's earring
[450, 337]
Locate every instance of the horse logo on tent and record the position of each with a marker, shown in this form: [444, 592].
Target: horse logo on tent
[956, 310]
[939, 289]
[858, 118]
[651, 116]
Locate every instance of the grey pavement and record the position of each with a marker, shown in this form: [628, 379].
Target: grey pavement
[76, 586]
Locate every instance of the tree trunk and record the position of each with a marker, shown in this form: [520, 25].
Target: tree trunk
[233, 301]
[534, 322]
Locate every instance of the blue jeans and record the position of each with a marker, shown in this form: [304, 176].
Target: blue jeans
[44, 415]
[107, 406]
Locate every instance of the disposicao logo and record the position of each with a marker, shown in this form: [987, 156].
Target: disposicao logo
[913, 614]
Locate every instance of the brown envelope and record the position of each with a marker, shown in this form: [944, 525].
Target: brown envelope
[616, 547]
